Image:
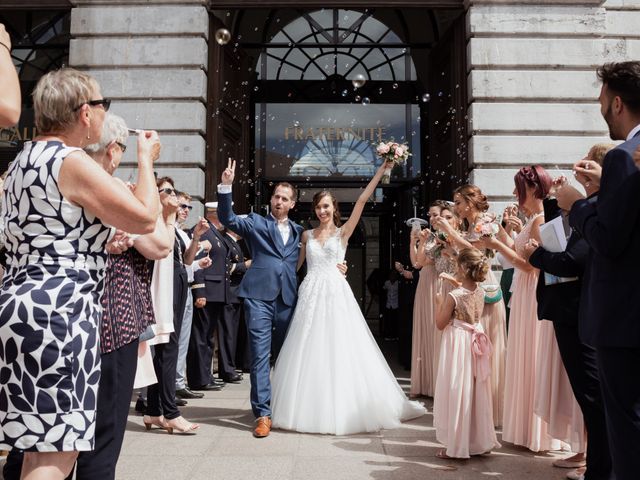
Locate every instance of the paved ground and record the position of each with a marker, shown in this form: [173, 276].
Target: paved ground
[225, 449]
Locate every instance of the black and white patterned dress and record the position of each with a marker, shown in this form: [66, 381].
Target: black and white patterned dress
[49, 308]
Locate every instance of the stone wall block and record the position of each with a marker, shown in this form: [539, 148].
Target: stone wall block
[536, 19]
[159, 115]
[140, 20]
[537, 117]
[176, 150]
[140, 51]
[552, 150]
[531, 84]
[623, 23]
[622, 4]
[152, 83]
[547, 53]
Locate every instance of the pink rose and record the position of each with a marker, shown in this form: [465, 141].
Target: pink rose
[383, 149]
[399, 151]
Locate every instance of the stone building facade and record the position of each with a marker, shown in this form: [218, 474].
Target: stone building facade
[532, 91]
[512, 83]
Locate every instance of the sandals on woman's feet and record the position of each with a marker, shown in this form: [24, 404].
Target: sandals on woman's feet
[150, 421]
[180, 425]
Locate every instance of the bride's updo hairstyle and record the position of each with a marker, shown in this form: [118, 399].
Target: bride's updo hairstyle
[534, 177]
[474, 264]
[473, 195]
[336, 212]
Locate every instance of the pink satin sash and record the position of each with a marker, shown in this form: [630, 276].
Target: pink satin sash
[481, 349]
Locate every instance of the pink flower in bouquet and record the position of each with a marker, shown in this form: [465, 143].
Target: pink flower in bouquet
[486, 226]
[399, 151]
[383, 149]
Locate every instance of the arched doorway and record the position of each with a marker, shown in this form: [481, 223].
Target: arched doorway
[308, 124]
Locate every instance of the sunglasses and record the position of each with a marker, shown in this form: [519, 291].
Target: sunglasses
[105, 102]
[168, 191]
[184, 206]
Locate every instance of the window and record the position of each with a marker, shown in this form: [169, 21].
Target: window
[345, 43]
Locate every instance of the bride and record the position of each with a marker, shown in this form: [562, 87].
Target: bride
[330, 376]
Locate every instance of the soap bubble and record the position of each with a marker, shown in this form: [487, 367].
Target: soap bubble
[359, 80]
[222, 36]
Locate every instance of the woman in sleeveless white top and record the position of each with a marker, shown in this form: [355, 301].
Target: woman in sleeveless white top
[330, 376]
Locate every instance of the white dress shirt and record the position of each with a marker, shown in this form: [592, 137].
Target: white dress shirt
[633, 132]
[283, 228]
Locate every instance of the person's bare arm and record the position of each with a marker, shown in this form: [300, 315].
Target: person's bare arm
[200, 229]
[83, 182]
[157, 244]
[422, 258]
[453, 235]
[350, 225]
[10, 98]
[444, 310]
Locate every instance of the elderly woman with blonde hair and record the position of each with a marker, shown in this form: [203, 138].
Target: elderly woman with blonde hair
[58, 205]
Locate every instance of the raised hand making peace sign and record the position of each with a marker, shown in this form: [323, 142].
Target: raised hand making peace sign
[229, 173]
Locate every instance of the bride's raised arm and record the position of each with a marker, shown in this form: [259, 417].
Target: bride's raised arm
[350, 225]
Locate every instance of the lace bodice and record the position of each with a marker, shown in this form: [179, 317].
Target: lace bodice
[324, 257]
[469, 304]
[442, 263]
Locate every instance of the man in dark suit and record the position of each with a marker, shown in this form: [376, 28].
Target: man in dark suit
[210, 294]
[559, 303]
[610, 318]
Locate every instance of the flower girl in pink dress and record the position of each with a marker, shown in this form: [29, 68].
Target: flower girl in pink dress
[463, 410]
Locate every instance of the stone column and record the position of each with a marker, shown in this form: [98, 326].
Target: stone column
[151, 58]
[532, 85]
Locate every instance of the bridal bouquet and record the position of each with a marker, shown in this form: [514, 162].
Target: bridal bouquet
[392, 153]
[486, 226]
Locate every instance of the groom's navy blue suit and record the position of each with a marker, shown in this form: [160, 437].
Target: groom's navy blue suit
[610, 307]
[269, 289]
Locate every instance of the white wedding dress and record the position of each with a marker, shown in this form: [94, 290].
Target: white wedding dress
[330, 376]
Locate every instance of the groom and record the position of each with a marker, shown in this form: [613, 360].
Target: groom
[269, 287]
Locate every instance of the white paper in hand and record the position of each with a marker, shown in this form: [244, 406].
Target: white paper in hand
[554, 239]
[552, 235]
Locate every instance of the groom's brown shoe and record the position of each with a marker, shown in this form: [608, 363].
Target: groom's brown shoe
[263, 427]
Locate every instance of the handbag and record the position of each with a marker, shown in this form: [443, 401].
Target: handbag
[492, 293]
[148, 334]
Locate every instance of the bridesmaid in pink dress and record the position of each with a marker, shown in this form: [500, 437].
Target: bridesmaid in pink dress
[422, 356]
[470, 205]
[444, 258]
[521, 425]
[463, 412]
[555, 402]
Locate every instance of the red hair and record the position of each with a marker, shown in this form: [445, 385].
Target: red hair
[534, 177]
